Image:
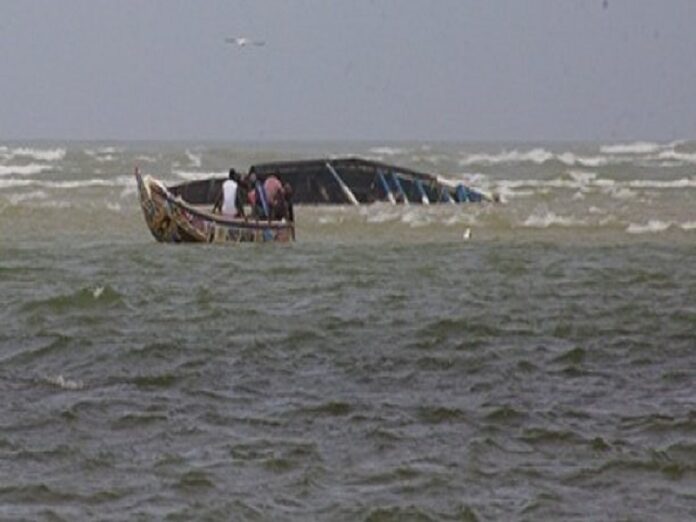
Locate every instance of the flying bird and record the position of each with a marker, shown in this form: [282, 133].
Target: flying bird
[243, 42]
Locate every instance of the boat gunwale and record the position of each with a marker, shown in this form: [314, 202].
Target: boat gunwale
[209, 216]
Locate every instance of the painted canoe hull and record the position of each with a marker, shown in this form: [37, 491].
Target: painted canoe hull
[173, 220]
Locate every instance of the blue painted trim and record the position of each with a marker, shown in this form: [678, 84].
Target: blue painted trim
[398, 186]
[421, 190]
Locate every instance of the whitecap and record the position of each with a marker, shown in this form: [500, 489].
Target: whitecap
[195, 160]
[24, 170]
[194, 175]
[684, 157]
[689, 225]
[330, 220]
[638, 147]
[13, 182]
[582, 176]
[569, 158]
[660, 184]
[621, 193]
[37, 154]
[16, 199]
[387, 151]
[66, 384]
[651, 226]
[414, 218]
[382, 216]
[119, 181]
[547, 219]
[537, 156]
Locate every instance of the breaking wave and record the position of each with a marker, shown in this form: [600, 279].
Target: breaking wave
[638, 147]
[644, 152]
[191, 175]
[119, 181]
[195, 160]
[548, 219]
[655, 225]
[28, 152]
[65, 384]
[387, 151]
[537, 156]
[24, 170]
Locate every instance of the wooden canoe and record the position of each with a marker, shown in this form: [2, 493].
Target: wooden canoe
[172, 219]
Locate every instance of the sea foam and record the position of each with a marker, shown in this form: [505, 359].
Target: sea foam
[638, 147]
[37, 154]
[387, 151]
[191, 175]
[547, 219]
[66, 384]
[24, 170]
[195, 160]
[537, 156]
[652, 226]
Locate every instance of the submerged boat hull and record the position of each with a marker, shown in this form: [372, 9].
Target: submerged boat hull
[171, 219]
[346, 181]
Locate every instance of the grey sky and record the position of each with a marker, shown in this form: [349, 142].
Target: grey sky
[348, 70]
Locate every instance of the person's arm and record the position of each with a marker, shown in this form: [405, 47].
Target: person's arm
[239, 200]
[217, 206]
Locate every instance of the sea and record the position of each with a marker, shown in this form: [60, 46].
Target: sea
[533, 359]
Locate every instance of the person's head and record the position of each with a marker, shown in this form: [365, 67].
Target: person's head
[251, 178]
[233, 175]
[287, 191]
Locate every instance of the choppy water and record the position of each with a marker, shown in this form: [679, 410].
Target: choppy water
[381, 368]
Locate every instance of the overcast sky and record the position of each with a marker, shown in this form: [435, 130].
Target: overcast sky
[429, 70]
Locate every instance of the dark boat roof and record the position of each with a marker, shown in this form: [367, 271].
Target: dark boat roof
[325, 180]
[314, 165]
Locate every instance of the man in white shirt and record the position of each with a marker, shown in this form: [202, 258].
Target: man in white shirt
[229, 202]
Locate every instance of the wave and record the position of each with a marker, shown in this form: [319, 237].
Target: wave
[570, 159]
[537, 156]
[119, 181]
[16, 199]
[387, 151]
[102, 154]
[194, 159]
[24, 170]
[680, 157]
[583, 181]
[638, 147]
[191, 175]
[66, 384]
[37, 154]
[647, 153]
[654, 226]
[548, 219]
[659, 184]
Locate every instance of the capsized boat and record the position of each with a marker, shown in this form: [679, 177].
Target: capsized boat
[173, 218]
[351, 181]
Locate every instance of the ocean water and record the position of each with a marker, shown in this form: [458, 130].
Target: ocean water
[383, 367]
